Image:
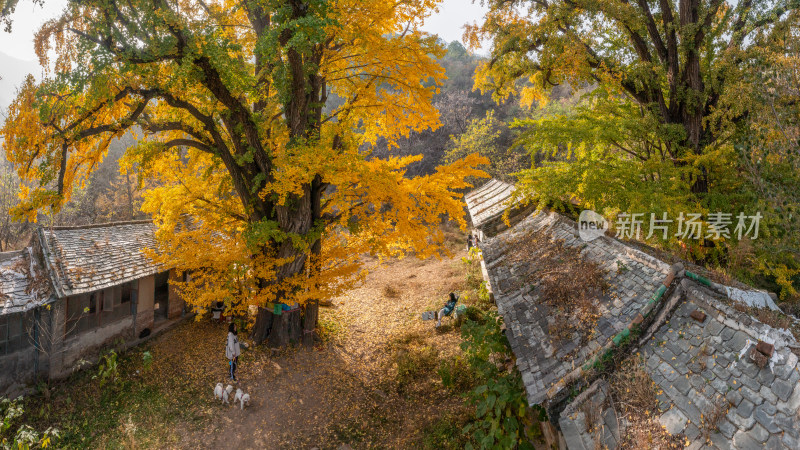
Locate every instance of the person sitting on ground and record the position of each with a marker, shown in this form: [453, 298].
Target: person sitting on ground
[447, 310]
[232, 350]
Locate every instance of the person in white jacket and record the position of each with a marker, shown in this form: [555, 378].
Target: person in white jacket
[232, 350]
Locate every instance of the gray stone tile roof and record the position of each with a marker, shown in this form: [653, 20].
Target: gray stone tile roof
[23, 285]
[632, 277]
[487, 201]
[695, 366]
[88, 258]
[701, 366]
[585, 433]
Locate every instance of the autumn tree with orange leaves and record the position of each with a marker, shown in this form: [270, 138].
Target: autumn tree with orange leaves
[263, 194]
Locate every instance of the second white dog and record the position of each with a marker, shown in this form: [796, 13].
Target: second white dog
[218, 391]
[226, 395]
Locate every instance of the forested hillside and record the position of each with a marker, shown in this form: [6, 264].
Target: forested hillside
[471, 122]
[110, 195]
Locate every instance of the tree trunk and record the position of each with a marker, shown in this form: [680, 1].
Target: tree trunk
[279, 335]
[700, 185]
[285, 327]
[263, 325]
[310, 322]
[294, 327]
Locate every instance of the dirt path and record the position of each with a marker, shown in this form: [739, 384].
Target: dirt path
[342, 392]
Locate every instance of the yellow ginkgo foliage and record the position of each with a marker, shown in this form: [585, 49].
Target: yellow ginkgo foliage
[254, 121]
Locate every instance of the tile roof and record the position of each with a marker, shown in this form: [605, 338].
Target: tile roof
[23, 285]
[487, 201]
[694, 365]
[88, 258]
[697, 365]
[542, 360]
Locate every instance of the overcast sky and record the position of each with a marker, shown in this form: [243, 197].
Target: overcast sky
[447, 23]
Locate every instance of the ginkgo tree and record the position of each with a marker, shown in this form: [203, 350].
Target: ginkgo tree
[680, 106]
[262, 193]
[677, 64]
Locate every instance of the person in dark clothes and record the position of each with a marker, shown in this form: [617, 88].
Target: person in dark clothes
[448, 308]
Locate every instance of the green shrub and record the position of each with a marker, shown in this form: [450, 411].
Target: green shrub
[502, 416]
[456, 374]
[147, 361]
[446, 433]
[108, 370]
[25, 437]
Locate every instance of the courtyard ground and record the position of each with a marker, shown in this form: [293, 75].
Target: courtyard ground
[371, 383]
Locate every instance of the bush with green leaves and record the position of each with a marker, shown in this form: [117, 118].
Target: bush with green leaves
[147, 361]
[502, 416]
[456, 374]
[108, 370]
[25, 436]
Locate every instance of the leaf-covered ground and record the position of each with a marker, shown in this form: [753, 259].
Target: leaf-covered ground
[373, 382]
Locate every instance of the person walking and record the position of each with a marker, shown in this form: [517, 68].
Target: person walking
[232, 350]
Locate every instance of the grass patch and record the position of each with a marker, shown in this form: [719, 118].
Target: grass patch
[134, 411]
[456, 374]
[446, 433]
[415, 364]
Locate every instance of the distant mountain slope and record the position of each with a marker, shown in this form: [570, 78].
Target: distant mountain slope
[13, 72]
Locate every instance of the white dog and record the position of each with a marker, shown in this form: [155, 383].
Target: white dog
[227, 394]
[238, 396]
[218, 391]
[245, 400]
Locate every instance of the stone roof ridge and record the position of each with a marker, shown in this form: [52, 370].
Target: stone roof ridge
[736, 319]
[631, 252]
[11, 254]
[98, 225]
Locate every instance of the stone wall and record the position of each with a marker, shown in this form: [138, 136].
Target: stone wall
[18, 370]
[88, 346]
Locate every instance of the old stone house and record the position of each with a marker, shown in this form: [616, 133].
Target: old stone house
[697, 341]
[75, 291]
